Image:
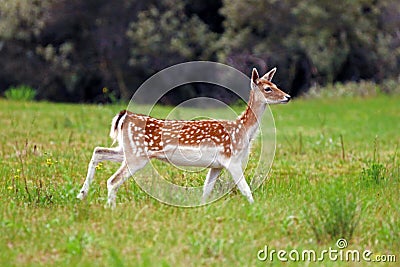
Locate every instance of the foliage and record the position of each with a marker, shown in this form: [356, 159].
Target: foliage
[331, 46]
[312, 40]
[72, 49]
[75, 48]
[352, 89]
[20, 93]
[165, 36]
[21, 19]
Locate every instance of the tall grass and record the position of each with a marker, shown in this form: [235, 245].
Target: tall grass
[334, 213]
[20, 93]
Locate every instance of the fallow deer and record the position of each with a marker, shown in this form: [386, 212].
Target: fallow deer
[223, 143]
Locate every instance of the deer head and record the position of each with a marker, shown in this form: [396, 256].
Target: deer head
[265, 90]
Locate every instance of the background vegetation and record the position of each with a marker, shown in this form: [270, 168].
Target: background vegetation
[71, 50]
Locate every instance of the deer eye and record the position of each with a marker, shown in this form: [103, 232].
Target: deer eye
[268, 89]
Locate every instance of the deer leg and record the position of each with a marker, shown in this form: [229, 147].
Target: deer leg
[211, 178]
[237, 175]
[119, 177]
[99, 154]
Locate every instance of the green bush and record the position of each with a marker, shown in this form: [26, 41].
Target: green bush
[354, 89]
[20, 93]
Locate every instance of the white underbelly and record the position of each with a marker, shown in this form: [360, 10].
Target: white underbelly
[188, 156]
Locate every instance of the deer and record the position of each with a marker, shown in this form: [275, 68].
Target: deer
[224, 144]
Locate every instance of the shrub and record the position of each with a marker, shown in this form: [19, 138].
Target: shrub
[354, 89]
[350, 89]
[20, 93]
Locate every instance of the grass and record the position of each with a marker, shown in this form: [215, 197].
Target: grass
[335, 175]
[20, 93]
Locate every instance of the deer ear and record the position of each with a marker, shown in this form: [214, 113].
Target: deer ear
[254, 79]
[270, 74]
[254, 76]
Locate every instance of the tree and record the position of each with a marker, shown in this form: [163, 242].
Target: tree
[313, 40]
[258, 33]
[21, 22]
[165, 35]
[345, 42]
[69, 50]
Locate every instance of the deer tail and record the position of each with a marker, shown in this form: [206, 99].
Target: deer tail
[116, 125]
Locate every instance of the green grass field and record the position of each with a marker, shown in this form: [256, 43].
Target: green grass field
[336, 174]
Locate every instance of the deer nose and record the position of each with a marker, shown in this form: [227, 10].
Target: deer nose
[288, 97]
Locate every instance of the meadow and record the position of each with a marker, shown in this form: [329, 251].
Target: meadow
[336, 174]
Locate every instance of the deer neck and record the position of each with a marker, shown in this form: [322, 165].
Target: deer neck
[251, 117]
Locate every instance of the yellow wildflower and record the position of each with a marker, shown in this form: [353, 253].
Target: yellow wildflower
[99, 166]
[49, 162]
